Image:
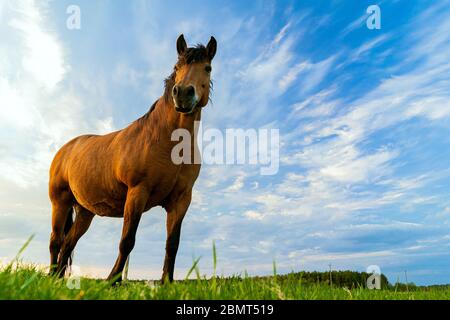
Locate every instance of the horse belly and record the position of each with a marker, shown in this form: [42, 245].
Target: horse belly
[100, 201]
[93, 193]
[106, 209]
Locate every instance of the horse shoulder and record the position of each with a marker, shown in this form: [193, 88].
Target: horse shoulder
[136, 159]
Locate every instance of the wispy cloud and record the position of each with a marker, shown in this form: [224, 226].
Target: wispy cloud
[355, 24]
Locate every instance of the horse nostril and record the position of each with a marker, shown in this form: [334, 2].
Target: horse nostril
[190, 91]
[175, 91]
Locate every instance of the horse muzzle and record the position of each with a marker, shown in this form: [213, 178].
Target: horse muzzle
[184, 98]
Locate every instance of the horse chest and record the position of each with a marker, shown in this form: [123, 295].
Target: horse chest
[171, 184]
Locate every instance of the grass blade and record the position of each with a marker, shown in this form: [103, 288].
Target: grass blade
[29, 281]
[214, 258]
[274, 268]
[22, 249]
[194, 266]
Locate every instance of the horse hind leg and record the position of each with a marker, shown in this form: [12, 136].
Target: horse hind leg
[61, 221]
[82, 222]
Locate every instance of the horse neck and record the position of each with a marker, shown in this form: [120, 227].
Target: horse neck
[165, 119]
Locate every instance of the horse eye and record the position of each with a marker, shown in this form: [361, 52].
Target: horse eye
[208, 69]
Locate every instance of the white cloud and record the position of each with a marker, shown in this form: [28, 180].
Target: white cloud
[42, 55]
[237, 185]
[269, 66]
[37, 115]
[253, 215]
[355, 24]
[292, 74]
[317, 74]
[105, 126]
[281, 34]
[357, 170]
[327, 257]
[367, 47]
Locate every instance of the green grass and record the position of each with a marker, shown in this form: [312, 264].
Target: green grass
[19, 281]
[28, 282]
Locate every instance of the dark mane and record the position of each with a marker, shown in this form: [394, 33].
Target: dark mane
[192, 55]
[145, 116]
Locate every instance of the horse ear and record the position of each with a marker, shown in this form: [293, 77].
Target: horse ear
[181, 45]
[212, 47]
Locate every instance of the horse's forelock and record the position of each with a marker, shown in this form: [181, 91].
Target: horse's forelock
[199, 53]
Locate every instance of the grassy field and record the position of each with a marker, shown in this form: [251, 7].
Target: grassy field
[19, 281]
[29, 283]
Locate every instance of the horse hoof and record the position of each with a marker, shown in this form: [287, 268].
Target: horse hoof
[114, 280]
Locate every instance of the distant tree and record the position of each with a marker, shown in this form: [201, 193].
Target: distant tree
[345, 278]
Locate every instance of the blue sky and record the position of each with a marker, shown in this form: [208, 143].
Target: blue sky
[363, 115]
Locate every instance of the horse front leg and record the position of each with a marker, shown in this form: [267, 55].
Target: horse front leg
[134, 207]
[176, 211]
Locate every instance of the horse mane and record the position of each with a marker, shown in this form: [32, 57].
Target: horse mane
[155, 117]
[147, 114]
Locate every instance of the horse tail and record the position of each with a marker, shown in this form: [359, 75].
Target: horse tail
[67, 227]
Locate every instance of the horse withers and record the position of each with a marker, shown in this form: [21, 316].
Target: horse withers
[127, 172]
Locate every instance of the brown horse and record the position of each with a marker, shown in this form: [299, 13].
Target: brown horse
[127, 172]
